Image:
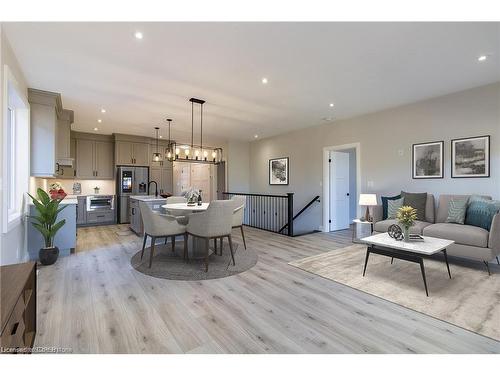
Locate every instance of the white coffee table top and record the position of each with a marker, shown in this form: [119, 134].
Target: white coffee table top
[429, 246]
[185, 207]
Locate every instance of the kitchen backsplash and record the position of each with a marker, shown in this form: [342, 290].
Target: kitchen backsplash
[105, 186]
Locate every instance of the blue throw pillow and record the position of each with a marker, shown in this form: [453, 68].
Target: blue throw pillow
[481, 211]
[384, 204]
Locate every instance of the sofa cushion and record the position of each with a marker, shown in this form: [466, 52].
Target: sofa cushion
[417, 201]
[456, 210]
[385, 204]
[481, 211]
[383, 226]
[393, 206]
[444, 201]
[461, 234]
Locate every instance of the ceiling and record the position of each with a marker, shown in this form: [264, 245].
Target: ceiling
[360, 67]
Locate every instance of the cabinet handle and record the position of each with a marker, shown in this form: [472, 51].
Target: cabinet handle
[96, 173]
[133, 211]
[14, 328]
[74, 173]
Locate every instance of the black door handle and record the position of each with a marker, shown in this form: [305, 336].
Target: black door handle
[347, 194]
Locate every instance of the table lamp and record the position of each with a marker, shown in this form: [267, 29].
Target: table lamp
[367, 200]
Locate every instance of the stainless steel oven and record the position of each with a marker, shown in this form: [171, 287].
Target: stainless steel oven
[100, 203]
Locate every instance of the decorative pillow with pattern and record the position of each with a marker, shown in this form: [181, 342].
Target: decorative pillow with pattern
[384, 204]
[457, 208]
[481, 211]
[393, 206]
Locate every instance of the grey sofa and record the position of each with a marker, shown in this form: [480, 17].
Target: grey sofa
[470, 241]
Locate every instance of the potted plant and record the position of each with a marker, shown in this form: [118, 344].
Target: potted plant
[406, 217]
[45, 222]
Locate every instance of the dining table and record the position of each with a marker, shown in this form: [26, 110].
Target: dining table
[196, 246]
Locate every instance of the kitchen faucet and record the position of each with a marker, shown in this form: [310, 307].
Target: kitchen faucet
[156, 187]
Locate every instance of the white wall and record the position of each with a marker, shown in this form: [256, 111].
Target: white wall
[238, 167]
[386, 140]
[12, 243]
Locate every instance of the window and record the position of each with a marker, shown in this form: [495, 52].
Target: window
[16, 146]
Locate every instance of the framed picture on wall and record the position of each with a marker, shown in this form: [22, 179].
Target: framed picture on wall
[470, 157]
[428, 160]
[278, 171]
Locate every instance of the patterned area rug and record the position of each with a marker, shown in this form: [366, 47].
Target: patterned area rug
[170, 265]
[471, 299]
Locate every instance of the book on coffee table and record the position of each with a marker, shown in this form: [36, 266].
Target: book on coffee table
[416, 237]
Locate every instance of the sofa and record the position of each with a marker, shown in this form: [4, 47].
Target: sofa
[470, 242]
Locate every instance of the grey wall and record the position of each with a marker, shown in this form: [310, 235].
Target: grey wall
[386, 139]
[238, 166]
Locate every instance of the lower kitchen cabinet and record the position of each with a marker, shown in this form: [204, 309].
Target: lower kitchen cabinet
[136, 224]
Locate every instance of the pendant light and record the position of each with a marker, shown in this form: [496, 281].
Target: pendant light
[197, 153]
[157, 156]
[170, 150]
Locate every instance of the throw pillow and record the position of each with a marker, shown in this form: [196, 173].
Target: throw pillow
[384, 204]
[417, 201]
[393, 206]
[456, 210]
[481, 211]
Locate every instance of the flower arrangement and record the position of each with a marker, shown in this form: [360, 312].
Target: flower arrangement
[192, 196]
[56, 191]
[406, 217]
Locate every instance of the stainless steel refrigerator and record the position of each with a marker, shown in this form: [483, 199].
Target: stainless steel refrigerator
[131, 181]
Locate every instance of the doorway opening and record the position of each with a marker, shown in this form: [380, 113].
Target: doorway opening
[341, 186]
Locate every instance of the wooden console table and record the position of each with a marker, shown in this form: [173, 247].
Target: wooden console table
[17, 307]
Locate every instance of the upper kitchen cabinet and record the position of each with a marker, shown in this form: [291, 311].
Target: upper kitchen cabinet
[94, 156]
[50, 133]
[131, 150]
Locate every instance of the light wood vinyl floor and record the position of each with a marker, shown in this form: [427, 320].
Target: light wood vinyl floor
[95, 302]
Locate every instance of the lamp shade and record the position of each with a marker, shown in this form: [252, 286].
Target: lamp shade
[367, 199]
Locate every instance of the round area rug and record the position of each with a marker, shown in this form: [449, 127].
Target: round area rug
[170, 265]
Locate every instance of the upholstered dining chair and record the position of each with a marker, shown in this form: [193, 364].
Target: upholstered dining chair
[156, 226]
[238, 215]
[215, 222]
[177, 213]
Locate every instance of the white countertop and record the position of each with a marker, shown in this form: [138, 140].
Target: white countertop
[147, 198]
[66, 200]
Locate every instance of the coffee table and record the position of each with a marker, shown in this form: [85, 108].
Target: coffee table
[413, 251]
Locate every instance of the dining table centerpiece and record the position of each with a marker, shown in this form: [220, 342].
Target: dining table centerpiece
[406, 216]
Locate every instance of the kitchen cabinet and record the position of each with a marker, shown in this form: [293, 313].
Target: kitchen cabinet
[69, 171]
[50, 133]
[164, 177]
[94, 159]
[81, 210]
[132, 153]
[135, 216]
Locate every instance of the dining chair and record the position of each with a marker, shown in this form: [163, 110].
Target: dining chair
[238, 215]
[179, 214]
[157, 225]
[215, 222]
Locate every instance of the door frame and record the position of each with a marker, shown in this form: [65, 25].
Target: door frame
[326, 179]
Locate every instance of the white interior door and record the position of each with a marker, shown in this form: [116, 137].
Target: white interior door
[339, 190]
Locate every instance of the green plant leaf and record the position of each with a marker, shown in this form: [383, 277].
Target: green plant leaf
[56, 227]
[43, 196]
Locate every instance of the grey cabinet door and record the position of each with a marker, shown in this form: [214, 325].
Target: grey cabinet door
[104, 167]
[124, 153]
[85, 158]
[81, 211]
[141, 154]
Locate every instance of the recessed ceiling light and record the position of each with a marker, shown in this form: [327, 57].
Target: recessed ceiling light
[482, 58]
[138, 35]
[256, 136]
[331, 104]
[264, 81]
[161, 136]
[103, 110]
[99, 120]
[96, 129]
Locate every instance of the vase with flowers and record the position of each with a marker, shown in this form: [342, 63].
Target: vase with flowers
[406, 217]
[56, 191]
